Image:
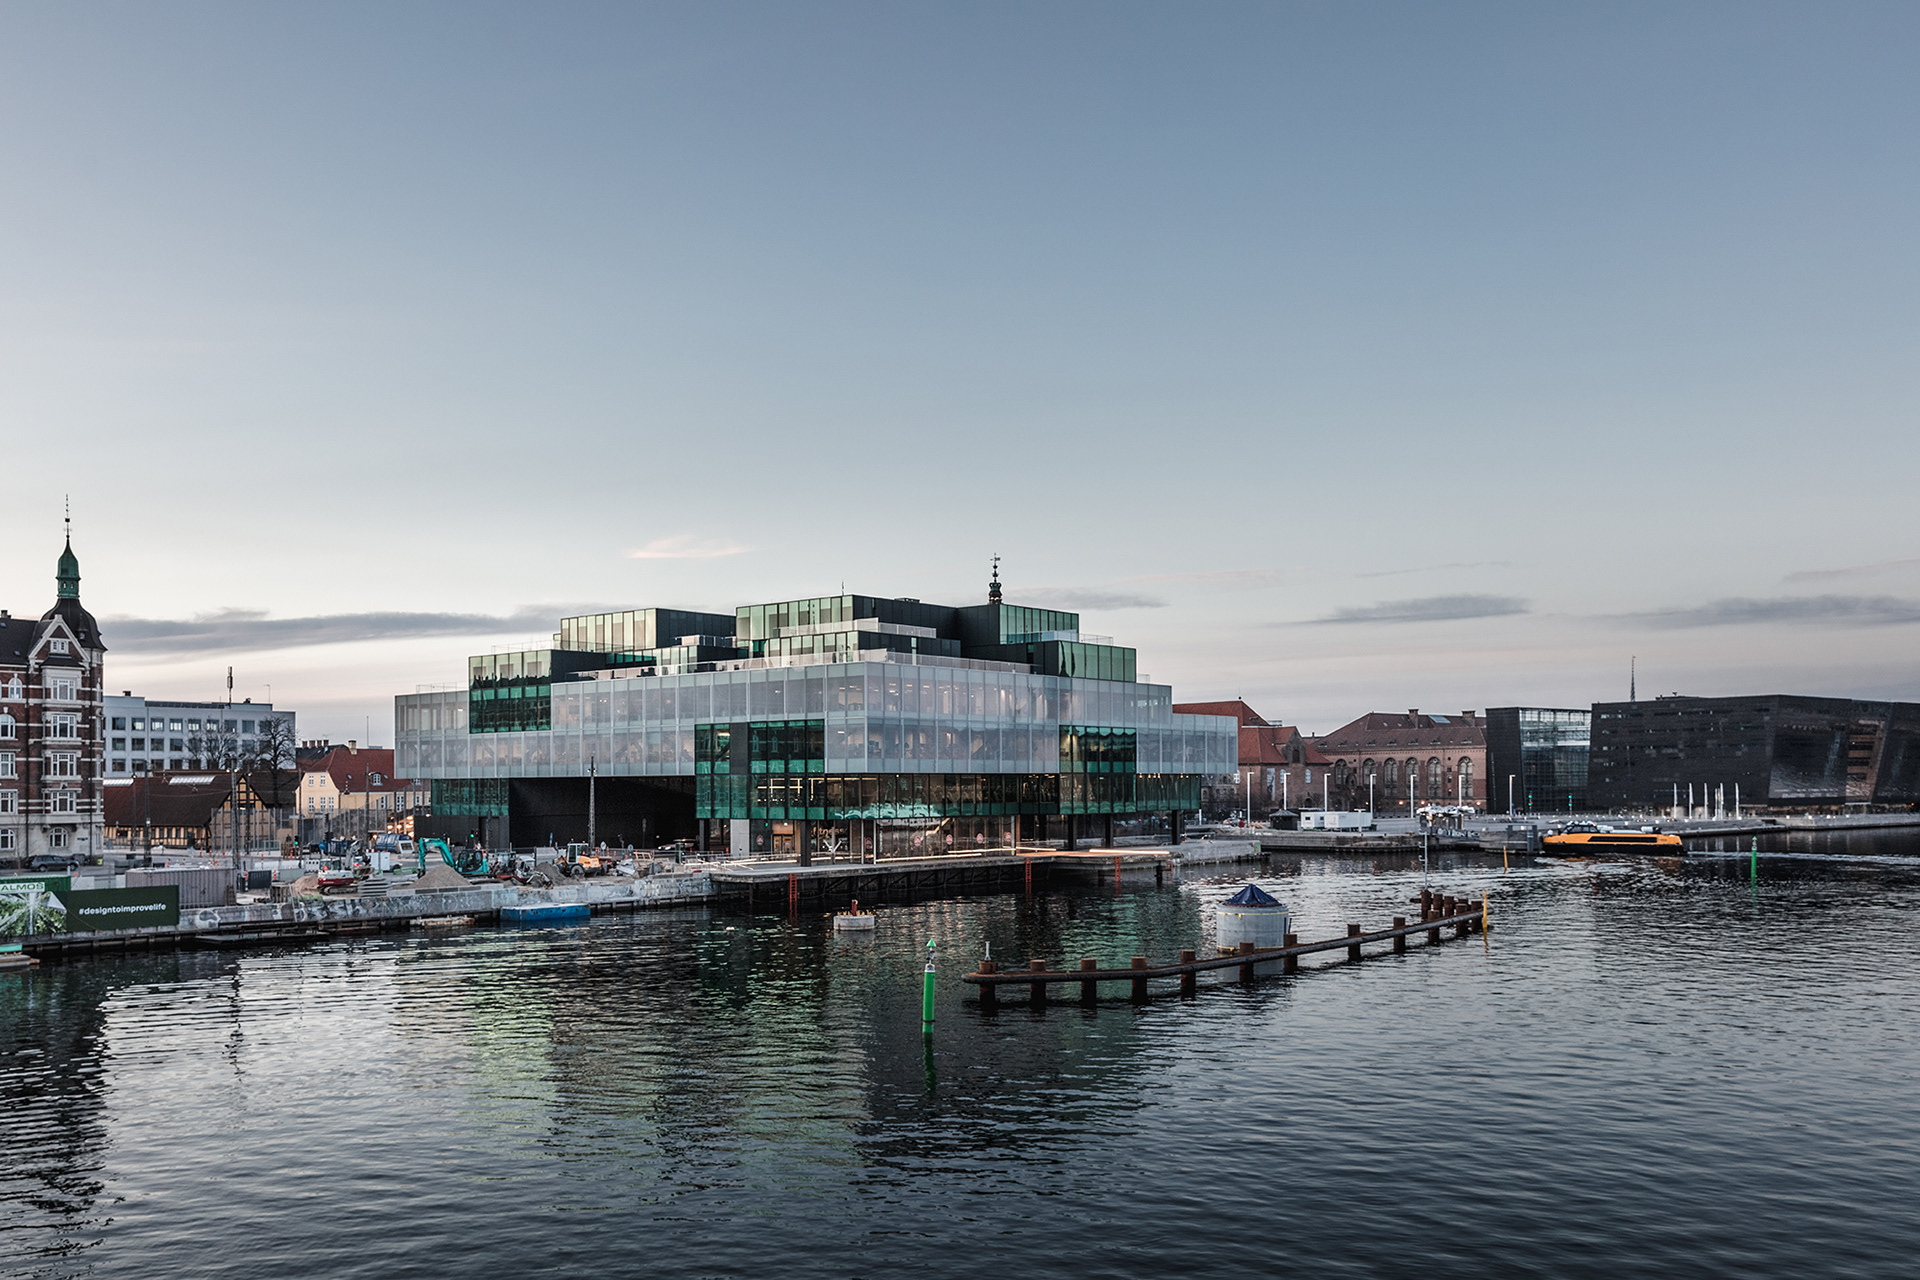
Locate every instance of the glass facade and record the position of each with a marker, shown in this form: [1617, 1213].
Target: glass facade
[1544, 752]
[823, 709]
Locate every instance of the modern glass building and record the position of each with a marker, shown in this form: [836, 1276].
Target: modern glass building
[839, 724]
[1537, 759]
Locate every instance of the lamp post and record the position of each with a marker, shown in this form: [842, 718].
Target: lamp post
[1509, 795]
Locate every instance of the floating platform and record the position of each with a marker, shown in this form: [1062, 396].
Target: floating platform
[442, 922]
[545, 912]
[264, 938]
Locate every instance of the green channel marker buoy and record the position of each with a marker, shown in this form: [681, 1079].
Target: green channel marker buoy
[926, 993]
[1753, 870]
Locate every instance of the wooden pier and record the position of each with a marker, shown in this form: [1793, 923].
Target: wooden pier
[1438, 912]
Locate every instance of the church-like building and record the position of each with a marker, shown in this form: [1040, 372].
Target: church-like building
[51, 733]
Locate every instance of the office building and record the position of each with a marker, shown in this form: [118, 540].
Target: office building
[1537, 759]
[843, 724]
[1771, 751]
[151, 735]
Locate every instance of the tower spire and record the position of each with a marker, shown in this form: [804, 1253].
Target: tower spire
[67, 573]
[1633, 679]
[993, 587]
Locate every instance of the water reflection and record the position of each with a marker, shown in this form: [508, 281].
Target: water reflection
[1655, 1046]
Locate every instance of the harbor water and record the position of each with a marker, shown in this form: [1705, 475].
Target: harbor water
[1667, 1068]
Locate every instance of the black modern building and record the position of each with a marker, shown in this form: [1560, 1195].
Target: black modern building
[1781, 751]
[1537, 759]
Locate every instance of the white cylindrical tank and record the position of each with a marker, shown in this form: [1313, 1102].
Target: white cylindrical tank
[1251, 915]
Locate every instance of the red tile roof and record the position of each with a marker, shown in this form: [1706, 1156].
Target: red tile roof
[349, 767]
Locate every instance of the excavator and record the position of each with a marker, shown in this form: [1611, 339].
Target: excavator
[468, 862]
[582, 861]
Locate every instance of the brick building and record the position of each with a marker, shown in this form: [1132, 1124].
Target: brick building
[1278, 767]
[1413, 759]
[50, 727]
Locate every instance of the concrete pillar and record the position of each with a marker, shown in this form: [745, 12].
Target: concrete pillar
[1073, 831]
[803, 841]
[1106, 837]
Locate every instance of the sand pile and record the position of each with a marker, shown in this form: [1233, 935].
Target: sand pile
[441, 878]
[305, 886]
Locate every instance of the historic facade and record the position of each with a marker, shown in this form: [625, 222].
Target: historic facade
[50, 727]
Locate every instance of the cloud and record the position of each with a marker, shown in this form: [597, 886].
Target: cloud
[1078, 598]
[1850, 571]
[684, 546]
[1230, 577]
[1431, 609]
[1850, 611]
[1436, 568]
[230, 629]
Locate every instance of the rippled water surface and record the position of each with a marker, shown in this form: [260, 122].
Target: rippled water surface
[1649, 1068]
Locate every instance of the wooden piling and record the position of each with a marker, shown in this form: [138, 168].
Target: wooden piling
[1400, 943]
[1140, 984]
[1116, 872]
[1037, 991]
[1089, 991]
[1246, 970]
[989, 993]
[1426, 904]
[1189, 981]
[1353, 952]
[1292, 963]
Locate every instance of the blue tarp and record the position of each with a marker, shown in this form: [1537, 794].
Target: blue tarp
[1253, 896]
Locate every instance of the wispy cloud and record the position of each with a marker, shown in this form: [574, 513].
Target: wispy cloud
[684, 546]
[1078, 598]
[1226, 577]
[232, 629]
[1845, 611]
[1430, 609]
[1436, 568]
[1851, 571]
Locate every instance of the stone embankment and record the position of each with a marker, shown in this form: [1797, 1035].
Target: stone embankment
[396, 910]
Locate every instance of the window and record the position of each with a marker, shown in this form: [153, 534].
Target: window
[6, 726]
[246, 726]
[1466, 777]
[193, 726]
[119, 744]
[9, 802]
[63, 764]
[120, 722]
[119, 766]
[58, 839]
[138, 725]
[176, 726]
[232, 725]
[1434, 779]
[63, 726]
[63, 802]
[6, 765]
[178, 745]
[6, 841]
[62, 688]
[139, 744]
[1391, 775]
[14, 689]
[60, 647]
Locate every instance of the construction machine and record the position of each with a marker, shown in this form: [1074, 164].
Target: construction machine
[468, 862]
[581, 861]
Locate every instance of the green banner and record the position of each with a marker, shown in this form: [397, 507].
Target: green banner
[33, 904]
[48, 884]
[91, 910]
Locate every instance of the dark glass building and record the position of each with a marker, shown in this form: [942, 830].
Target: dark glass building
[836, 724]
[1537, 759]
[1780, 751]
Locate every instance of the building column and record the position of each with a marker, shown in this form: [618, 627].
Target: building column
[1107, 831]
[1173, 826]
[1073, 830]
[702, 845]
[803, 841]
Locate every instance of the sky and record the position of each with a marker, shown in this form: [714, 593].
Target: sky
[1341, 357]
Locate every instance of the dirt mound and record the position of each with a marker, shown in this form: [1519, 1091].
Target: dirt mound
[441, 878]
[304, 886]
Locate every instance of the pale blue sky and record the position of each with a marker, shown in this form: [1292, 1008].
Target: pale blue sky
[1340, 356]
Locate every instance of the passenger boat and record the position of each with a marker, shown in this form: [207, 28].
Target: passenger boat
[1590, 837]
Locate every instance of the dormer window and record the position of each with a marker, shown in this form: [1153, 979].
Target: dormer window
[60, 647]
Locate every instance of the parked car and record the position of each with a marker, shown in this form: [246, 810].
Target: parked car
[50, 862]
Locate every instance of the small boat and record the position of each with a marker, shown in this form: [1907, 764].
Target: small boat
[442, 922]
[1580, 838]
[853, 918]
[12, 957]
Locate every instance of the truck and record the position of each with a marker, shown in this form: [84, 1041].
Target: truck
[581, 861]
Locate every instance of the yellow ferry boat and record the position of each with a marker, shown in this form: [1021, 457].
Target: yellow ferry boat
[1590, 837]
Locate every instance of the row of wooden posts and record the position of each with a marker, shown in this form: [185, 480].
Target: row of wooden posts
[1437, 912]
